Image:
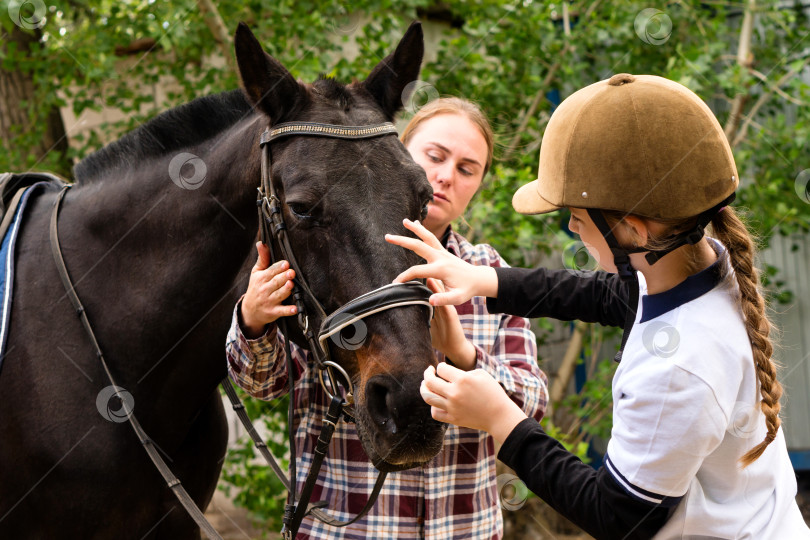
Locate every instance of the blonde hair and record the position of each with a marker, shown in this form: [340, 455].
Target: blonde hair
[453, 105]
[730, 231]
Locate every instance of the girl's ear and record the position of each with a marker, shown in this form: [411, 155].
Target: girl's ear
[636, 231]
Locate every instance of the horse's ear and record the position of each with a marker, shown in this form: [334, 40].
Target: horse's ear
[389, 79]
[268, 84]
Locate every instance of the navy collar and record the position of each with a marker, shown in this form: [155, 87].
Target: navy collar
[695, 286]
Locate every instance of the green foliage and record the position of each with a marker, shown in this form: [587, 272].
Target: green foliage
[577, 447]
[247, 478]
[586, 415]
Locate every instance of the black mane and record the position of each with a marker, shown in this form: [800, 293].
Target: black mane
[172, 130]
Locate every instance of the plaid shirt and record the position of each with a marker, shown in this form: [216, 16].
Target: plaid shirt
[455, 495]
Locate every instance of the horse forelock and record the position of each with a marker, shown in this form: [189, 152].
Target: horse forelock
[334, 91]
[178, 128]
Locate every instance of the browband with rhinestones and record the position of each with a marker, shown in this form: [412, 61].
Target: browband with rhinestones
[327, 130]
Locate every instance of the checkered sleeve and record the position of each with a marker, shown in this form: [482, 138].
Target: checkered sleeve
[259, 365]
[506, 348]
[512, 362]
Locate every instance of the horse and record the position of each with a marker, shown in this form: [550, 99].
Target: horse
[159, 257]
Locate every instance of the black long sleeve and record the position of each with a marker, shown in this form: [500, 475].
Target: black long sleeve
[591, 499]
[565, 295]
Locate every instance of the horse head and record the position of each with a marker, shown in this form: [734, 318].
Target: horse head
[339, 197]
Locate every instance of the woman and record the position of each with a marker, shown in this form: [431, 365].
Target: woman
[696, 449]
[455, 495]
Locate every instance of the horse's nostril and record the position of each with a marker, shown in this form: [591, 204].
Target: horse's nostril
[381, 405]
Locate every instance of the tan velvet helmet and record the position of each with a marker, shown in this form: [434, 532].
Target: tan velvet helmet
[639, 144]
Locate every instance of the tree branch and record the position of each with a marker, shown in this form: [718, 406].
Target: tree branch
[532, 110]
[778, 90]
[218, 29]
[763, 99]
[745, 59]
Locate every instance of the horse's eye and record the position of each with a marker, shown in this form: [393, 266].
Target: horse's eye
[301, 211]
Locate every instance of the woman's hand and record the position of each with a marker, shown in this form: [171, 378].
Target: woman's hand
[269, 286]
[447, 335]
[470, 399]
[461, 279]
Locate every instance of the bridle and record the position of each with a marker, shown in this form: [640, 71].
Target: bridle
[271, 222]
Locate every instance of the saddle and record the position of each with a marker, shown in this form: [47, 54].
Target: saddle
[12, 187]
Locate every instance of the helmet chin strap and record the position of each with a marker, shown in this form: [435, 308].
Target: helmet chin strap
[621, 255]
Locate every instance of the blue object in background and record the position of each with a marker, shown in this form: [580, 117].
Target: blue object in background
[553, 96]
[580, 377]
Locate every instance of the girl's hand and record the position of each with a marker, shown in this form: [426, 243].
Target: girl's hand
[269, 286]
[470, 399]
[447, 335]
[462, 280]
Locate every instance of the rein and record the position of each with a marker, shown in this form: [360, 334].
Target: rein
[271, 222]
[171, 480]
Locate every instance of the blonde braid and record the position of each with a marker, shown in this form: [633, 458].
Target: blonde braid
[731, 232]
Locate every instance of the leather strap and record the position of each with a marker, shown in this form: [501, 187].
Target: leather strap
[621, 255]
[372, 498]
[316, 129]
[318, 454]
[171, 480]
[239, 409]
[386, 297]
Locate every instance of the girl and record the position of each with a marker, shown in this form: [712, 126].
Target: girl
[696, 449]
[455, 495]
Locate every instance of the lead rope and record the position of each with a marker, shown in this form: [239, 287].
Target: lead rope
[171, 480]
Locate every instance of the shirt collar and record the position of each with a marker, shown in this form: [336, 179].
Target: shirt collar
[693, 287]
[450, 241]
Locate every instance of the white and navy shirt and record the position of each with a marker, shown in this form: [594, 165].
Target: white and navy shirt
[685, 410]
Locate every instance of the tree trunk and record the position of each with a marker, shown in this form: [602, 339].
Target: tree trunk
[15, 122]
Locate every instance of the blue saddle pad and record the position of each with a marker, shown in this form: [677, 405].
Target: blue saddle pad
[7, 266]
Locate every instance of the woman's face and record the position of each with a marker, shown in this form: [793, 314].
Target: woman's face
[453, 153]
[581, 223]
